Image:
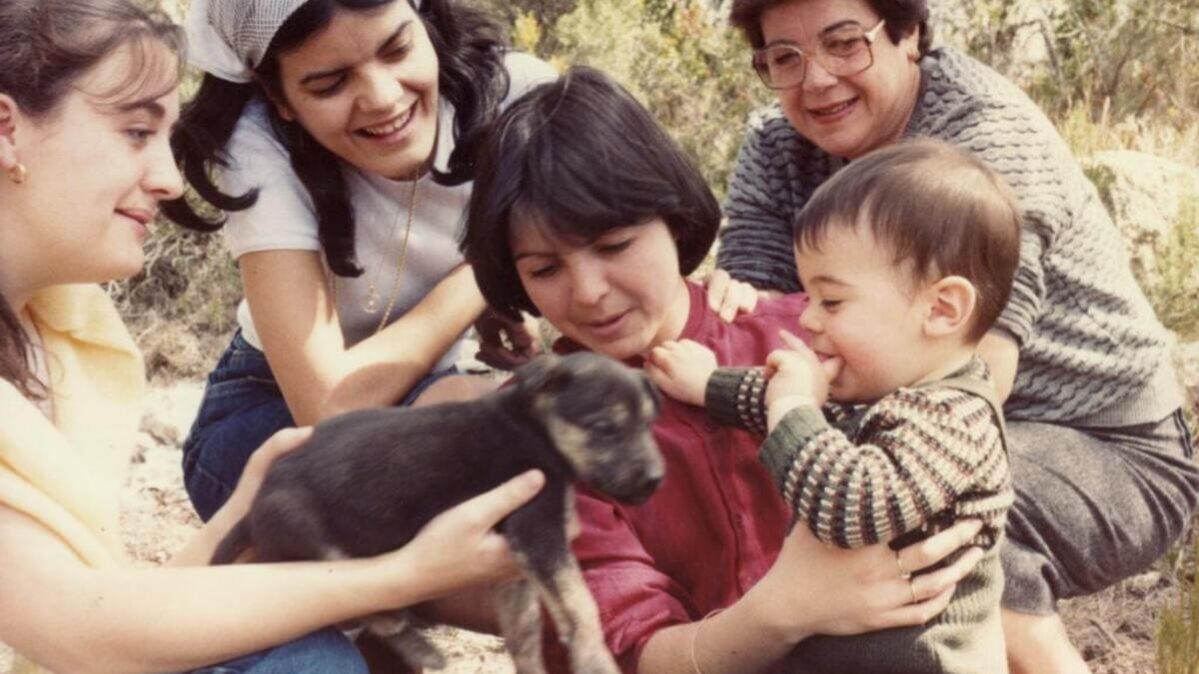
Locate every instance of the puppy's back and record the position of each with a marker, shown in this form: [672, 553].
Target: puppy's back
[367, 481]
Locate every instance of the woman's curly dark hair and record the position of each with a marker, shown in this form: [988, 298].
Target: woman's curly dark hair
[470, 46]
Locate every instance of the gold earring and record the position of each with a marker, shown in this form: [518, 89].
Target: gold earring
[17, 173]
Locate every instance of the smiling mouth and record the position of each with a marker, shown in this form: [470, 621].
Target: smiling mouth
[141, 217]
[390, 127]
[605, 324]
[832, 110]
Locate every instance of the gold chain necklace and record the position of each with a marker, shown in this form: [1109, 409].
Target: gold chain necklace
[395, 287]
[371, 305]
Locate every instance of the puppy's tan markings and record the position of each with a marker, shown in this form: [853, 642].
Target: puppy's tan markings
[332, 553]
[520, 624]
[571, 441]
[575, 614]
[388, 624]
[397, 630]
[573, 526]
[649, 409]
[619, 414]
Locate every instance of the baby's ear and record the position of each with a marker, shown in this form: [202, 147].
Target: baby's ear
[9, 113]
[951, 306]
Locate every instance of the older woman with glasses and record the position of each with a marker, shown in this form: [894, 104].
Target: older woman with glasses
[1100, 456]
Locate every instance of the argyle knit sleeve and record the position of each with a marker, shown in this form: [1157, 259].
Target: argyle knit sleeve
[917, 453]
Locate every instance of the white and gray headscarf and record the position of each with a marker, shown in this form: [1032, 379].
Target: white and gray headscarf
[229, 38]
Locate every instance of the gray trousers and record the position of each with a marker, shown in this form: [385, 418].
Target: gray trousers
[1093, 506]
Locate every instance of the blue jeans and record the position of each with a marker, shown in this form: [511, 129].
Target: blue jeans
[242, 407]
[325, 652]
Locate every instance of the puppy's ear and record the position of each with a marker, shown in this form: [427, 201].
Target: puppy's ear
[543, 374]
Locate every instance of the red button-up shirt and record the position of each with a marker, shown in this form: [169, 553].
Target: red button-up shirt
[715, 525]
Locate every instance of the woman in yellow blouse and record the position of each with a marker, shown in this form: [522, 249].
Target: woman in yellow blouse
[88, 95]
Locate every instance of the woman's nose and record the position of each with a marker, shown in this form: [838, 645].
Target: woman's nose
[816, 77]
[162, 177]
[381, 89]
[590, 283]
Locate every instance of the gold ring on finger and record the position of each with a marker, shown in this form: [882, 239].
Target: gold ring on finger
[912, 589]
[903, 573]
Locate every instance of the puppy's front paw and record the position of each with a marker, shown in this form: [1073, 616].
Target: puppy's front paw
[397, 629]
[595, 661]
[419, 652]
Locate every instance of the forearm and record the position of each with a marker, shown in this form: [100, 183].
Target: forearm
[198, 551]
[381, 369]
[739, 640]
[295, 314]
[172, 619]
[321, 378]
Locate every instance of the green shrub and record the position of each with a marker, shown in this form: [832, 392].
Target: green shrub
[679, 58]
[1175, 296]
[1123, 58]
[1177, 636]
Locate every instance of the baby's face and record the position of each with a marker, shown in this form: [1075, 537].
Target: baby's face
[866, 311]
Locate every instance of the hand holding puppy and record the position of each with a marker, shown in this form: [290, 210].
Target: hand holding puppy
[460, 547]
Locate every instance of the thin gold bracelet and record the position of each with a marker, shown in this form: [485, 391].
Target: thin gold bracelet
[695, 638]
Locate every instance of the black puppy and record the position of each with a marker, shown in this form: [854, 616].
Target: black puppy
[367, 481]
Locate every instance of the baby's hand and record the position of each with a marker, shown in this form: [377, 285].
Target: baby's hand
[681, 370]
[796, 376]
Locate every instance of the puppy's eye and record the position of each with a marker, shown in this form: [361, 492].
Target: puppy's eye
[603, 427]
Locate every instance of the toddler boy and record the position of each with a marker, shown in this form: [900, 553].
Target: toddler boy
[907, 256]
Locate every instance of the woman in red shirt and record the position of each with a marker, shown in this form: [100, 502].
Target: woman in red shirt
[585, 212]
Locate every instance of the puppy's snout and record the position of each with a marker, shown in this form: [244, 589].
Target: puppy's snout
[645, 487]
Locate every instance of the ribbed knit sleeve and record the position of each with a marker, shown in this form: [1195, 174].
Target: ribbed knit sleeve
[737, 397]
[916, 454]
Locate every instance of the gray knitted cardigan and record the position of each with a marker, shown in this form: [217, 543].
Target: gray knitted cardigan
[1092, 353]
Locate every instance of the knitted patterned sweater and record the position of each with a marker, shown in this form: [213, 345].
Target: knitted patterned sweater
[1092, 353]
[916, 461]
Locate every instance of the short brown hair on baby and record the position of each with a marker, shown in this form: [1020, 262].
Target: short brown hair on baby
[936, 207]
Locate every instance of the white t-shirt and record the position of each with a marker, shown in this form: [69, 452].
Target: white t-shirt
[283, 217]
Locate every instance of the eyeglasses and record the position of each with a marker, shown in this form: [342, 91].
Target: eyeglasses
[842, 51]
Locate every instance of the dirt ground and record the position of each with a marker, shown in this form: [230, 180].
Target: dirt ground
[1114, 629]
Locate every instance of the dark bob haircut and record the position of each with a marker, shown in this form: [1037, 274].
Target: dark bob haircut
[580, 156]
[937, 207]
[903, 16]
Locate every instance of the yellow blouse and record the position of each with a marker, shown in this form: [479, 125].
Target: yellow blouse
[68, 474]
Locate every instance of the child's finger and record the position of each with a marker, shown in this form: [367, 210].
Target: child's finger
[718, 287]
[661, 358]
[774, 360]
[832, 367]
[793, 342]
[655, 372]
